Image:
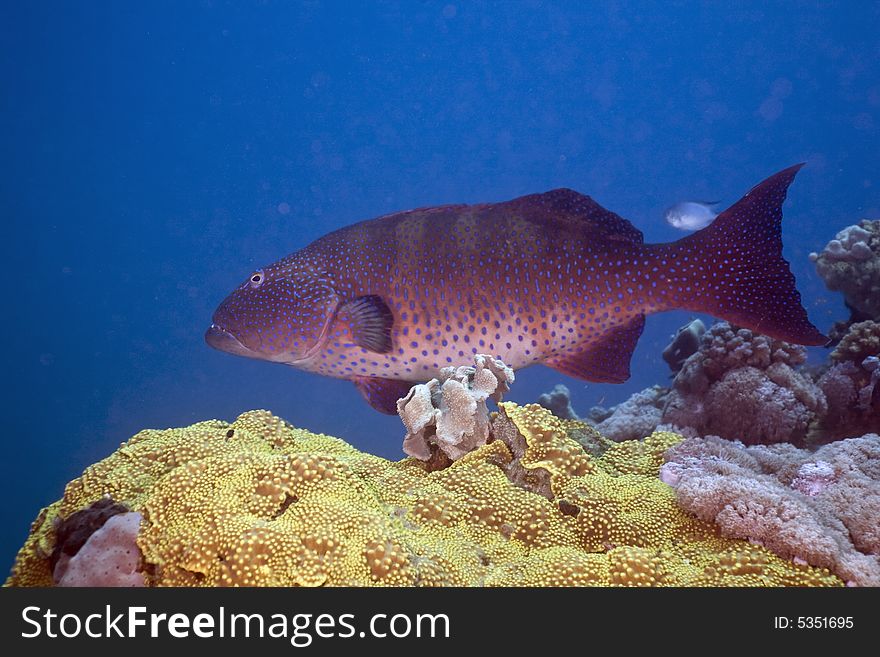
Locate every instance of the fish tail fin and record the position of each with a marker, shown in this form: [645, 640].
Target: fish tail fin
[734, 268]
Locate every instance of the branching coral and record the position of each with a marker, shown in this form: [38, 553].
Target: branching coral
[819, 507]
[450, 413]
[258, 502]
[742, 385]
[850, 263]
[725, 347]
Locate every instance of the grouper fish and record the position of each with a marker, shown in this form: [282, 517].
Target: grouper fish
[550, 278]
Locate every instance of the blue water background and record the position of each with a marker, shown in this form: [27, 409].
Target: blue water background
[155, 153]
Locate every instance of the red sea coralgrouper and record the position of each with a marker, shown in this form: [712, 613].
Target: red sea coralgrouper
[549, 278]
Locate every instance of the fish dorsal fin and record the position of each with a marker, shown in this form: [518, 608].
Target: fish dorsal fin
[606, 361]
[566, 206]
[369, 319]
[382, 394]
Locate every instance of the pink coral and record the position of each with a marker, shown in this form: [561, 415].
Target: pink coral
[813, 478]
[820, 507]
[743, 386]
[110, 557]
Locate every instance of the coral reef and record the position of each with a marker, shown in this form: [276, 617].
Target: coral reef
[817, 507]
[558, 402]
[450, 413]
[635, 418]
[850, 263]
[684, 344]
[743, 386]
[258, 502]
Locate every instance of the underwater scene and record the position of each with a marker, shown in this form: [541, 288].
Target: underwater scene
[441, 293]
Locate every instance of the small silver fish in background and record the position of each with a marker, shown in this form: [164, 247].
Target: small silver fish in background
[691, 215]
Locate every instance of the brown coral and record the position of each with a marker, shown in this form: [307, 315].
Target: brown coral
[258, 502]
[861, 341]
[853, 394]
[744, 386]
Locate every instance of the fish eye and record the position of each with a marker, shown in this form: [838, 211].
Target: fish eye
[257, 278]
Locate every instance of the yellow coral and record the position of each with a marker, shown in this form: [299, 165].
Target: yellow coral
[548, 447]
[259, 502]
[633, 566]
[639, 457]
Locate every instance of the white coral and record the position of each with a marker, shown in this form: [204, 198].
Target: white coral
[849, 244]
[450, 411]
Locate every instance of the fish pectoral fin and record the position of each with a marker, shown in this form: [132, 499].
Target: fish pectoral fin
[370, 320]
[606, 361]
[382, 394]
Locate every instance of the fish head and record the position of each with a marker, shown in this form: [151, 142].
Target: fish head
[280, 313]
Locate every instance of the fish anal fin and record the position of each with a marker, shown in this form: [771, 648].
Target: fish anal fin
[605, 361]
[369, 319]
[382, 394]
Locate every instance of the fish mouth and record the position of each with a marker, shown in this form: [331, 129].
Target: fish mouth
[222, 340]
